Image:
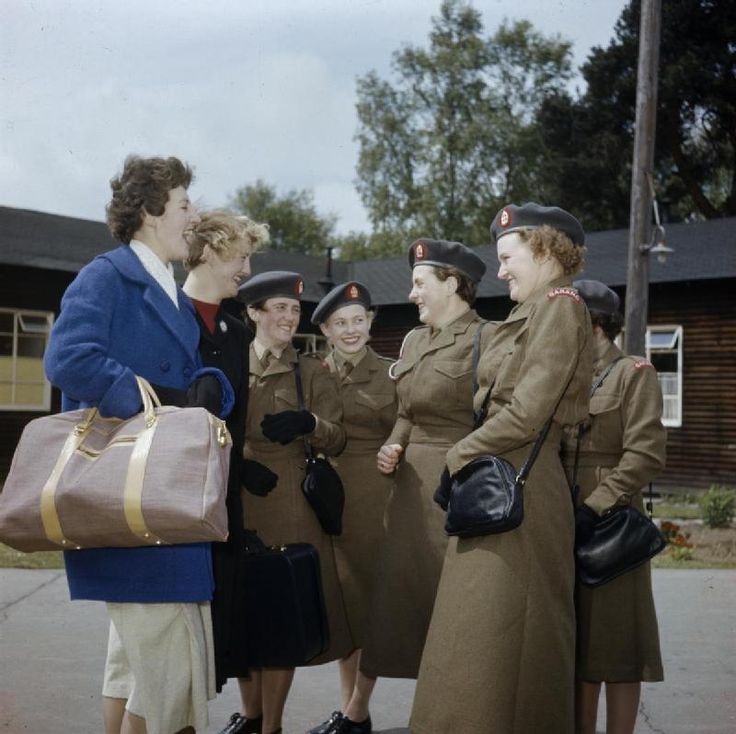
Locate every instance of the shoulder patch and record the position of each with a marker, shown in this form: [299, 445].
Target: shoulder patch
[642, 363]
[569, 292]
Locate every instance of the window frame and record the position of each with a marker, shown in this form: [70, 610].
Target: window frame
[18, 314]
[676, 348]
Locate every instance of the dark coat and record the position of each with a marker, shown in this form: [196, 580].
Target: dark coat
[227, 349]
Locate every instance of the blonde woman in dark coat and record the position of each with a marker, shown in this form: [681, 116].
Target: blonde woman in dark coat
[500, 653]
[369, 411]
[274, 454]
[622, 448]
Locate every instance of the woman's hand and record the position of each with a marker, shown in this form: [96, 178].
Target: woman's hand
[388, 457]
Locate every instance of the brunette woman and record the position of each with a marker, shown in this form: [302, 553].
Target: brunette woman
[434, 386]
[275, 427]
[124, 316]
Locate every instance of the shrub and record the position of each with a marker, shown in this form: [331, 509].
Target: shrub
[718, 506]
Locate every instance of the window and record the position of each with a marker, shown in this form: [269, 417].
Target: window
[664, 351]
[307, 343]
[23, 337]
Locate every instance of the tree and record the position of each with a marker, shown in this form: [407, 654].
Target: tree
[294, 222]
[589, 141]
[455, 137]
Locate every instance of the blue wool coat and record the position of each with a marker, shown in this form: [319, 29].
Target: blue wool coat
[117, 322]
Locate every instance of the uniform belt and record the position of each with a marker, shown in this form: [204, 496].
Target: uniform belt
[438, 434]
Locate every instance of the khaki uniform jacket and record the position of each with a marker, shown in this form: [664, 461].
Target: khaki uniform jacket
[369, 412]
[500, 652]
[621, 450]
[284, 516]
[435, 388]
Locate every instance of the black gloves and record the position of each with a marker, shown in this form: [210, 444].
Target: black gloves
[586, 519]
[170, 395]
[285, 426]
[442, 493]
[205, 392]
[257, 478]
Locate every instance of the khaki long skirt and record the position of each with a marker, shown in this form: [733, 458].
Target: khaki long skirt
[499, 657]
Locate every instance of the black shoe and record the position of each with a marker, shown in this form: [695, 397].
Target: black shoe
[327, 727]
[347, 726]
[234, 725]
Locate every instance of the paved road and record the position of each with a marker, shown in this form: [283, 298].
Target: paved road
[52, 654]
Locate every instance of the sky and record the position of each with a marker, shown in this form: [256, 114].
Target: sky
[240, 89]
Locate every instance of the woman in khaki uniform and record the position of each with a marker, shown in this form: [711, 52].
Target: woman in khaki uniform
[500, 651]
[369, 412]
[274, 428]
[622, 448]
[434, 386]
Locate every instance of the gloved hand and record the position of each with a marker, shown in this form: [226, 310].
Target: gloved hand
[205, 392]
[586, 519]
[442, 493]
[257, 478]
[285, 426]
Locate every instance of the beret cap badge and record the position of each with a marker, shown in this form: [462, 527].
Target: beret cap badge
[352, 292]
[505, 218]
[419, 251]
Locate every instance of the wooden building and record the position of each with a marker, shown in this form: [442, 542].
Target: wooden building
[691, 336]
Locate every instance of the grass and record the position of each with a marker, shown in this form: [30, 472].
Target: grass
[665, 560]
[669, 509]
[11, 558]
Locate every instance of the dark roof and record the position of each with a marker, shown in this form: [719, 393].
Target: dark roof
[50, 241]
[703, 251]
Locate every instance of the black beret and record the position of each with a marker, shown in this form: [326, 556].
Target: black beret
[344, 294]
[598, 297]
[532, 216]
[271, 284]
[446, 254]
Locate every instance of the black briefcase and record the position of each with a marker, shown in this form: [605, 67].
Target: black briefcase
[283, 620]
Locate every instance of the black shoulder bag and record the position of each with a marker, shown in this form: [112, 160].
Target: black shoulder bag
[486, 495]
[621, 540]
[321, 485]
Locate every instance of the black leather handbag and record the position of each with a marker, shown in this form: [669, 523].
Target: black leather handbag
[281, 606]
[621, 540]
[321, 485]
[486, 495]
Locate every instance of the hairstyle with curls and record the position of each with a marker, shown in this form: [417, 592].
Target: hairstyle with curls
[143, 186]
[610, 323]
[229, 235]
[549, 241]
[466, 288]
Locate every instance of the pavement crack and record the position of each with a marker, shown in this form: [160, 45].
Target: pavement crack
[4, 607]
[647, 721]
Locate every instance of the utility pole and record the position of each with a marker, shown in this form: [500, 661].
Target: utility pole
[640, 220]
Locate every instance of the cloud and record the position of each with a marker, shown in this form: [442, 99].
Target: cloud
[242, 90]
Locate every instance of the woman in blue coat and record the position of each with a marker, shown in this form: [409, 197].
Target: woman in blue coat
[123, 316]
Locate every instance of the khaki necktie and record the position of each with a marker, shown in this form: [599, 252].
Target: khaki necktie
[346, 369]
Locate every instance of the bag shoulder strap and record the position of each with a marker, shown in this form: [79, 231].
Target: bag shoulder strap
[308, 450]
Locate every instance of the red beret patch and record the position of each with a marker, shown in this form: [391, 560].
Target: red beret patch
[299, 287]
[505, 218]
[352, 292]
[569, 292]
[419, 251]
[642, 363]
